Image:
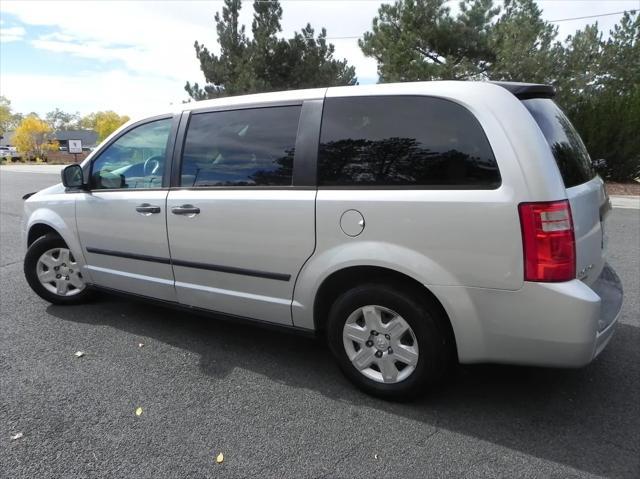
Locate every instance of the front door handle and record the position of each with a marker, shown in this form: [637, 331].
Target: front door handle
[146, 209]
[187, 210]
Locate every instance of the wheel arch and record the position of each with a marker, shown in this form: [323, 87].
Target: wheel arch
[343, 279]
[43, 221]
[38, 230]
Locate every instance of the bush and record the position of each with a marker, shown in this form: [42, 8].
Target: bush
[609, 124]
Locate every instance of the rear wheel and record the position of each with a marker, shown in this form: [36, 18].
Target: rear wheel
[389, 343]
[53, 272]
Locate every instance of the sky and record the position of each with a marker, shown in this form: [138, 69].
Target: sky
[134, 57]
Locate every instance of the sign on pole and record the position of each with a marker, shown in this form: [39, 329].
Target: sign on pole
[75, 146]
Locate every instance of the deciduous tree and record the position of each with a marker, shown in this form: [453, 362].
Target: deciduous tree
[33, 138]
[61, 120]
[103, 122]
[8, 119]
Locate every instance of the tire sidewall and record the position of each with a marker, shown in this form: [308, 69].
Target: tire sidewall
[417, 314]
[35, 251]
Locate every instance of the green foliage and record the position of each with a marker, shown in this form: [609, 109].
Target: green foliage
[103, 122]
[524, 45]
[265, 62]
[597, 81]
[609, 124]
[601, 95]
[421, 40]
[621, 55]
[60, 120]
[8, 119]
[5, 114]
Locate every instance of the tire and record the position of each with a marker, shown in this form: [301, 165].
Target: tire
[426, 331]
[56, 251]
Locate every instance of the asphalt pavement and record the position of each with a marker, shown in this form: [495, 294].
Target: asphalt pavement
[275, 404]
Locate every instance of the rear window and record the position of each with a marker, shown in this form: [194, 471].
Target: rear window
[403, 141]
[568, 149]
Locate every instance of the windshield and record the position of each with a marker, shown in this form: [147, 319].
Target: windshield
[568, 149]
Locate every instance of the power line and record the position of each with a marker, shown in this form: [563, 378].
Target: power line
[353, 37]
[591, 16]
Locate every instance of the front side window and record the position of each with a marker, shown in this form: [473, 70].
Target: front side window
[135, 160]
[252, 147]
[403, 140]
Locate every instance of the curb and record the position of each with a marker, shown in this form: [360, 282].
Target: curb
[626, 202]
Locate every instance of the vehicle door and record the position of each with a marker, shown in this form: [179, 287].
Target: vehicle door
[241, 219]
[121, 221]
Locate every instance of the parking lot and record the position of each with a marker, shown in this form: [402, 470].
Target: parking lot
[275, 404]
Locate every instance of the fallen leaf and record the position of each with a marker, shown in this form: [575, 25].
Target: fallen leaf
[16, 436]
[139, 411]
[375, 456]
[219, 458]
[79, 354]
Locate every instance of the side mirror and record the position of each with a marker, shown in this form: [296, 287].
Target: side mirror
[72, 177]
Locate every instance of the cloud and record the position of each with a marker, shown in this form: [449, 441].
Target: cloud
[11, 34]
[149, 38]
[147, 47]
[118, 90]
[157, 38]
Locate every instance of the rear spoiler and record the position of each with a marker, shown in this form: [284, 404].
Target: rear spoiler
[526, 91]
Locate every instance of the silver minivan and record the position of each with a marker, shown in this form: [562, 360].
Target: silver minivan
[413, 225]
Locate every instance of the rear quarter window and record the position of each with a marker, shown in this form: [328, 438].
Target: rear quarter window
[410, 141]
[566, 145]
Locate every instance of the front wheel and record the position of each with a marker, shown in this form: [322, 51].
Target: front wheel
[53, 273]
[388, 343]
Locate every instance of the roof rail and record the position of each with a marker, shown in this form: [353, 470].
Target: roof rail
[526, 91]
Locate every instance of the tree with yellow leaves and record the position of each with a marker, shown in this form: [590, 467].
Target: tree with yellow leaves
[33, 138]
[103, 122]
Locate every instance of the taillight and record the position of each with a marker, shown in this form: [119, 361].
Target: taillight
[548, 241]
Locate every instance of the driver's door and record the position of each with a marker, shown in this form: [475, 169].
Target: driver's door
[121, 222]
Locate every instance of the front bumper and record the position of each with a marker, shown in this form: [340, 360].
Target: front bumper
[542, 324]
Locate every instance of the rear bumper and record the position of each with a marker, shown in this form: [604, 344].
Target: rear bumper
[542, 324]
[609, 287]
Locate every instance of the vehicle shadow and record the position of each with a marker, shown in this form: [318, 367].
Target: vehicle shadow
[553, 414]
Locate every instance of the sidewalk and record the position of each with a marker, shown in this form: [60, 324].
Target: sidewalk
[630, 202]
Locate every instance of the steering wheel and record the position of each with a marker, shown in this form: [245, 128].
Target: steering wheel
[152, 165]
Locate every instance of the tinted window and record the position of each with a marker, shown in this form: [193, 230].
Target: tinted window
[570, 153]
[403, 140]
[241, 147]
[135, 160]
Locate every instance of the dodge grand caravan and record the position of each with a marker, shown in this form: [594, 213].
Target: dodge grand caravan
[413, 225]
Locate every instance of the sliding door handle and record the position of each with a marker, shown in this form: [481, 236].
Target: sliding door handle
[186, 210]
[146, 209]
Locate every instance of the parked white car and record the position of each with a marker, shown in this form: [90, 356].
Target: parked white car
[9, 153]
[414, 225]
